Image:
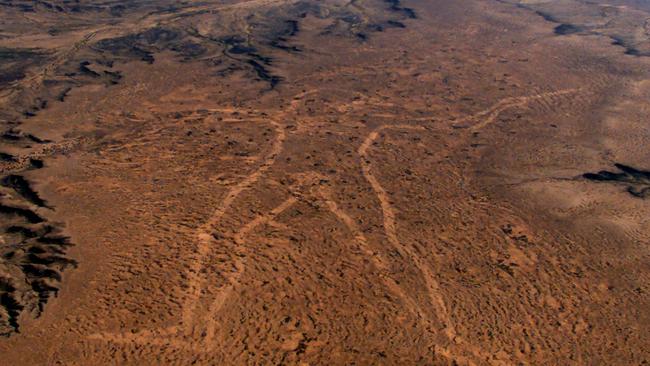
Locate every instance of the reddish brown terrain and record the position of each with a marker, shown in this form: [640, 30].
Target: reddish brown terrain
[364, 182]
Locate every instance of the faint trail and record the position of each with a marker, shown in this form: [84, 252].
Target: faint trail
[194, 324]
[389, 217]
[493, 112]
[196, 281]
[488, 116]
[352, 227]
[205, 239]
[376, 258]
[389, 214]
[406, 251]
[263, 219]
[155, 337]
[239, 240]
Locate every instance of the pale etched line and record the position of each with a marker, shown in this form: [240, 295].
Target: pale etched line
[494, 110]
[389, 215]
[390, 226]
[365, 247]
[149, 338]
[152, 337]
[205, 241]
[196, 282]
[391, 232]
[239, 240]
[507, 103]
[387, 209]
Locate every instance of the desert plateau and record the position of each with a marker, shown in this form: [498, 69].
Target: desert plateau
[339, 182]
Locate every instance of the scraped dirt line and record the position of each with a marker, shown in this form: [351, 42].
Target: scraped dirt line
[240, 241]
[389, 214]
[486, 117]
[493, 112]
[171, 336]
[157, 337]
[168, 337]
[205, 238]
[195, 281]
[197, 329]
[406, 251]
[377, 260]
[385, 276]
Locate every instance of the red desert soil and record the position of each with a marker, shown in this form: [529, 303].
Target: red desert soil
[368, 182]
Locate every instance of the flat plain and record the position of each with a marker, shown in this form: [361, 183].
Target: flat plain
[367, 182]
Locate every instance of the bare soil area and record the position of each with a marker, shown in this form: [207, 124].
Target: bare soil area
[364, 182]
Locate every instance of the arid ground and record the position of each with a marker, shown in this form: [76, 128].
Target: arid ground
[341, 182]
